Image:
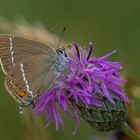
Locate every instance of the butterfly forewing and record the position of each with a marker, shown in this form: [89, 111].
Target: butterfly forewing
[15, 49]
[28, 65]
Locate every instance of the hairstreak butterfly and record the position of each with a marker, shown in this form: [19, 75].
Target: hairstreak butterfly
[30, 67]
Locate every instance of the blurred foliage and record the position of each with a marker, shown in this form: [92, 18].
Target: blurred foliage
[111, 25]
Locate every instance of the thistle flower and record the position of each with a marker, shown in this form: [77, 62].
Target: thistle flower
[89, 87]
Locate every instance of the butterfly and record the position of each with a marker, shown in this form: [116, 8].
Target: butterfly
[30, 67]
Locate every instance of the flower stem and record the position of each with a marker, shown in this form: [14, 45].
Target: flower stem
[128, 131]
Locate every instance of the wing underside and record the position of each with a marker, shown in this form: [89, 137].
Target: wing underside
[28, 65]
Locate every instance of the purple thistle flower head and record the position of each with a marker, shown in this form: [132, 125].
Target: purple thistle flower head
[84, 78]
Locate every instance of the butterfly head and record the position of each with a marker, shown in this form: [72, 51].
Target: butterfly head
[61, 52]
[61, 60]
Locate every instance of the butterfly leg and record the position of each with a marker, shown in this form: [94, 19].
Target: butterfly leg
[20, 109]
[68, 59]
[21, 105]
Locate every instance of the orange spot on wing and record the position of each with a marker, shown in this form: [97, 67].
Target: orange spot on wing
[21, 93]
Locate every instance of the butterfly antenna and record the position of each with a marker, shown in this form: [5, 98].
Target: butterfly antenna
[61, 37]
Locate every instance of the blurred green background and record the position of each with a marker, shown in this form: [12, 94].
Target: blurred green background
[110, 25]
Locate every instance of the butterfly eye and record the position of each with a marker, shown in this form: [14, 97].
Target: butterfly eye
[61, 51]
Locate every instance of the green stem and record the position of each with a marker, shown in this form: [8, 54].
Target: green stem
[128, 131]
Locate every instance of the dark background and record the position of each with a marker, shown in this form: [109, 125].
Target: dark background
[110, 25]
